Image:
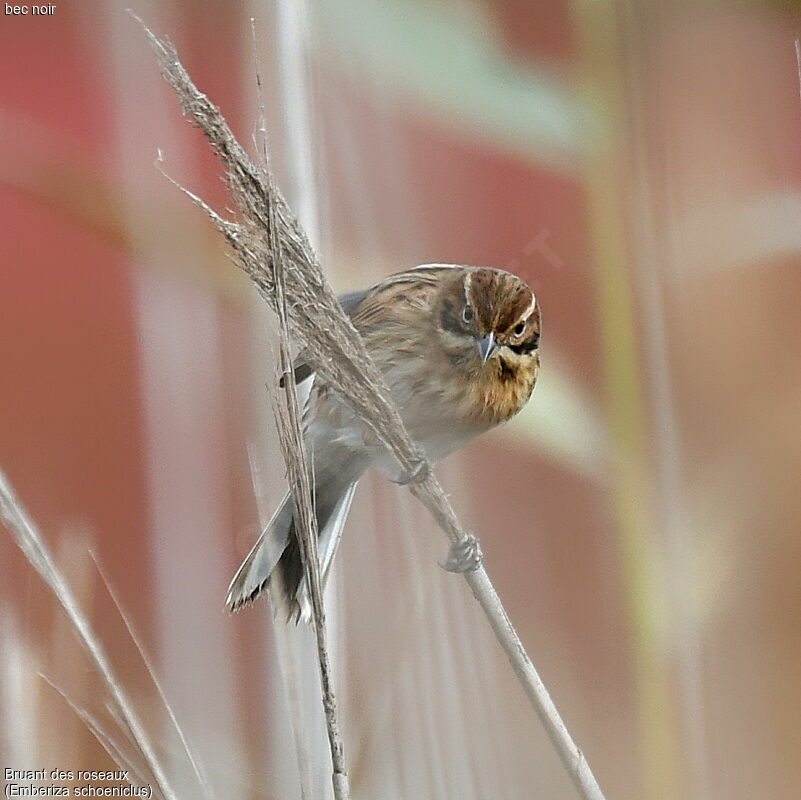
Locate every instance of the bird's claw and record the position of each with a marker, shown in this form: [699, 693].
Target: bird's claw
[418, 472]
[464, 555]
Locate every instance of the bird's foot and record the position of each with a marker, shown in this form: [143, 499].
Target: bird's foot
[418, 472]
[464, 556]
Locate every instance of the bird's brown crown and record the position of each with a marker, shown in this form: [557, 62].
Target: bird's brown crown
[504, 305]
[479, 301]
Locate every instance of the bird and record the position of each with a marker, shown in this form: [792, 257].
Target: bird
[458, 347]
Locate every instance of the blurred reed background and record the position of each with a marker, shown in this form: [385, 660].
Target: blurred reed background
[639, 163]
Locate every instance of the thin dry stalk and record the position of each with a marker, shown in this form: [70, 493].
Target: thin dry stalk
[30, 541]
[292, 444]
[290, 427]
[333, 347]
[103, 737]
[798, 63]
[200, 775]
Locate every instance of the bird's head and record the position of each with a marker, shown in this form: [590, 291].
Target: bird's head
[483, 314]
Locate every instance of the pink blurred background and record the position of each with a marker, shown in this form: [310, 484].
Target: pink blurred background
[640, 165]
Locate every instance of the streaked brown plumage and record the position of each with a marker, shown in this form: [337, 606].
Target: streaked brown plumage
[458, 347]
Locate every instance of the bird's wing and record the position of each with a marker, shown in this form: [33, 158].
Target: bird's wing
[350, 300]
[397, 297]
[300, 369]
[369, 306]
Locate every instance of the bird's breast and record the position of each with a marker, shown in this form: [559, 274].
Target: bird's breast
[500, 391]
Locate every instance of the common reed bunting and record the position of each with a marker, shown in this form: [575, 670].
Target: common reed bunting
[458, 348]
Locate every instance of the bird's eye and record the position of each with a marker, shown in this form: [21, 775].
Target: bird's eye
[467, 314]
[519, 328]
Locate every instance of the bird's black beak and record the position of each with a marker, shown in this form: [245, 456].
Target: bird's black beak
[486, 346]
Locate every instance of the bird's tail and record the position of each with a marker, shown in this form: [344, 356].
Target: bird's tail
[275, 561]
